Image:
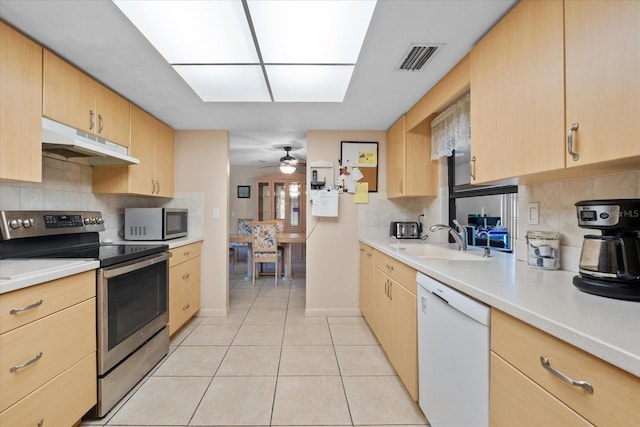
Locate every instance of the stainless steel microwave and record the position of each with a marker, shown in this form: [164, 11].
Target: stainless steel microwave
[155, 223]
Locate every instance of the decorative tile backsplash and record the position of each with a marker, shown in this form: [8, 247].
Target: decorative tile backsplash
[67, 186]
[557, 211]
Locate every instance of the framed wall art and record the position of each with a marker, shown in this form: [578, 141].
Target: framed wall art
[244, 191]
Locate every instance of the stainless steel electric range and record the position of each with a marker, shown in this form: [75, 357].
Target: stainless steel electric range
[131, 291]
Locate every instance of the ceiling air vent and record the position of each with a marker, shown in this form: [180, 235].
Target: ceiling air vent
[417, 56]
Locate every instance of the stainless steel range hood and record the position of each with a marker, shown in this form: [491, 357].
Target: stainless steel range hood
[80, 147]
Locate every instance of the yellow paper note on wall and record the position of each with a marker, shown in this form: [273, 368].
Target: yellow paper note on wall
[368, 158]
[362, 192]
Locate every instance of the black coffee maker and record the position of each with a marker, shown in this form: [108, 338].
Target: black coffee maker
[610, 263]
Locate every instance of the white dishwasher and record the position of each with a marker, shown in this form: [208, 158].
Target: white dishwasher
[453, 356]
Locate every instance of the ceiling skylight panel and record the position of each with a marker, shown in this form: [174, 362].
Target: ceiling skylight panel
[311, 32]
[226, 83]
[194, 32]
[309, 83]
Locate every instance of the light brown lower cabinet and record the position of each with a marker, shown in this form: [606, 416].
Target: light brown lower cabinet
[525, 393]
[367, 268]
[389, 303]
[48, 352]
[516, 400]
[184, 285]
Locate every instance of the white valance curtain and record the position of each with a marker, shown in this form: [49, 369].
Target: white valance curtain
[451, 130]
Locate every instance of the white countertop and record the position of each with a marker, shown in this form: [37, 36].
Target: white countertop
[546, 299]
[18, 273]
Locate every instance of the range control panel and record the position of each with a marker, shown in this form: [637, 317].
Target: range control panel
[21, 224]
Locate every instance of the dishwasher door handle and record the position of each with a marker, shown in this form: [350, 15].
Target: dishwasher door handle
[444, 300]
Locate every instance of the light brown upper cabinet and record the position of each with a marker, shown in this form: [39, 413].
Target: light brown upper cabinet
[410, 170]
[518, 123]
[152, 143]
[602, 50]
[20, 107]
[75, 99]
[517, 94]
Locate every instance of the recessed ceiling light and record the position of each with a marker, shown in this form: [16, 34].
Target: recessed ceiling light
[309, 83]
[226, 83]
[310, 32]
[305, 51]
[194, 32]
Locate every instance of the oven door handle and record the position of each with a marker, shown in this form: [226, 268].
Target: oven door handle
[147, 262]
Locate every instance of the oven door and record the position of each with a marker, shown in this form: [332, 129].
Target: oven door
[132, 301]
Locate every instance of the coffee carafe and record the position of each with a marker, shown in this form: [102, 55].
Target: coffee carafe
[610, 262]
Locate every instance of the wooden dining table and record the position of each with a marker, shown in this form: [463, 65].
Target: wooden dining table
[283, 238]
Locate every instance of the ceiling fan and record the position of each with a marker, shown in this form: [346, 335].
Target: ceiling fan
[288, 163]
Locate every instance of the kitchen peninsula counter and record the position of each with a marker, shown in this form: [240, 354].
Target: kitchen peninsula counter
[546, 299]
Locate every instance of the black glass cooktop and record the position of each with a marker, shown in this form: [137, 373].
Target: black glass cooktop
[84, 245]
[109, 254]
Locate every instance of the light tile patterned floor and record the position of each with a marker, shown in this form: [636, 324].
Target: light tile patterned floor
[266, 364]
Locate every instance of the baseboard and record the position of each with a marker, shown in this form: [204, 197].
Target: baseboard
[334, 312]
[213, 312]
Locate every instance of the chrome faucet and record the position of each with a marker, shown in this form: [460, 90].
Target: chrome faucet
[459, 236]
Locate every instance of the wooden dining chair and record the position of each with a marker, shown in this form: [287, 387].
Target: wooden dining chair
[265, 247]
[280, 229]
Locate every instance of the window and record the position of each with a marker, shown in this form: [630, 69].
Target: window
[489, 213]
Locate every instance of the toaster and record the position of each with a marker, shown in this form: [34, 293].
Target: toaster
[404, 230]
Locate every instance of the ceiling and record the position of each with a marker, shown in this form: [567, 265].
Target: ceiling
[95, 36]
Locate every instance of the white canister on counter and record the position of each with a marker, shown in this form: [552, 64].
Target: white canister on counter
[543, 249]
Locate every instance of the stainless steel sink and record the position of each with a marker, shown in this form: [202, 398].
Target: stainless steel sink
[427, 251]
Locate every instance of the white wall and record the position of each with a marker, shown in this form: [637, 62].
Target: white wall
[244, 208]
[332, 243]
[202, 166]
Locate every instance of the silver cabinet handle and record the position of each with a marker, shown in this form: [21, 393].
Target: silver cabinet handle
[158, 187]
[100, 123]
[575, 156]
[472, 168]
[391, 291]
[386, 287]
[186, 253]
[186, 307]
[153, 186]
[26, 307]
[582, 384]
[389, 267]
[185, 276]
[37, 357]
[40, 422]
[92, 119]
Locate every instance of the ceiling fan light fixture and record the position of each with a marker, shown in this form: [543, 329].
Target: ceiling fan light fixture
[287, 168]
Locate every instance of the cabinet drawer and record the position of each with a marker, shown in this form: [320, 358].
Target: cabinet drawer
[55, 296]
[183, 307]
[398, 271]
[615, 392]
[514, 398]
[60, 402]
[184, 275]
[62, 339]
[183, 253]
